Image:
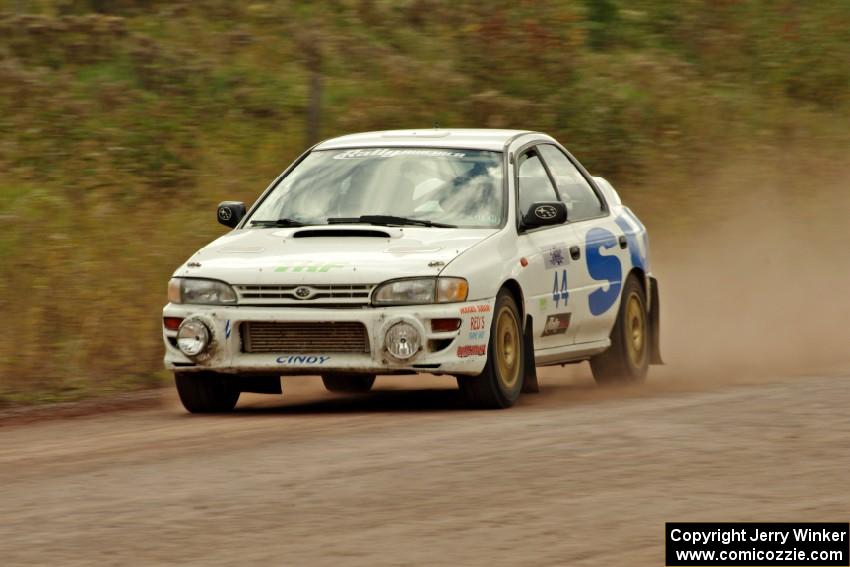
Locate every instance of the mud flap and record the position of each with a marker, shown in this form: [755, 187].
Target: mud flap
[654, 323]
[529, 382]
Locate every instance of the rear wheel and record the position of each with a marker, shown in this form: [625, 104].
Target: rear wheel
[628, 358]
[348, 382]
[206, 392]
[499, 385]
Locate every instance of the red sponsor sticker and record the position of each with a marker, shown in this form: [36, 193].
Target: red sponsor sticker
[483, 308]
[471, 350]
[556, 324]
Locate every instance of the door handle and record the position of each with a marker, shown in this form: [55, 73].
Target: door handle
[575, 252]
[623, 242]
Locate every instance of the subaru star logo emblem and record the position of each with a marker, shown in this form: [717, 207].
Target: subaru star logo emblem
[302, 292]
[225, 213]
[545, 212]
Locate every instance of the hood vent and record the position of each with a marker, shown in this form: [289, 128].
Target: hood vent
[341, 233]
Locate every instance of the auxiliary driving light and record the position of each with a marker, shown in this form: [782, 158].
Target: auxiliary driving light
[402, 340]
[193, 337]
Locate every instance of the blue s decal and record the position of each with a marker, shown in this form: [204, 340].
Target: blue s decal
[638, 257]
[604, 269]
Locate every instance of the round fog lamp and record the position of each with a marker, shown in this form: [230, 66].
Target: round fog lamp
[193, 337]
[402, 340]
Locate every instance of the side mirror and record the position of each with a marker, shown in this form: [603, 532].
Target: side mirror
[230, 213]
[545, 213]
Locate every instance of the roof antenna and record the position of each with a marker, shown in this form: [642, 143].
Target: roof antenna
[436, 125]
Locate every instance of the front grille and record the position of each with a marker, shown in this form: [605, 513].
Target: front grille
[307, 337]
[338, 294]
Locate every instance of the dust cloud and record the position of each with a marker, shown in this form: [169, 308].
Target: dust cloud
[754, 270]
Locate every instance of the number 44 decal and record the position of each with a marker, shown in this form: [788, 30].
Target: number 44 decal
[560, 292]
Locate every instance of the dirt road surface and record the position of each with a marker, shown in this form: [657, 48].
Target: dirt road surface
[573, 476]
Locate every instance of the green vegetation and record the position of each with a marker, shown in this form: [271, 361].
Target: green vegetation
[123, 123]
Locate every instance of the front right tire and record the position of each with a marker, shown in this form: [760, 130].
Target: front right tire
[206, 392]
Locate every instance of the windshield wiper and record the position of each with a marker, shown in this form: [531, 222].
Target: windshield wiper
[387, 220]
[278, 222]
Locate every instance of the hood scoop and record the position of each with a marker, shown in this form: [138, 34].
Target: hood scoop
[341, 233]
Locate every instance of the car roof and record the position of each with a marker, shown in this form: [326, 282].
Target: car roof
[467, 138]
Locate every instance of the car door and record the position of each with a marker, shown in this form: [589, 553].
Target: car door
[550, 265]
[605, 261]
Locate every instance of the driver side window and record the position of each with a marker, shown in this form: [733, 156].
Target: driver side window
[534, 184]
[582, 203]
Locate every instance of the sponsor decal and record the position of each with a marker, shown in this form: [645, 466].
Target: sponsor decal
[310, 267]
[604, 268]
[302, 359]
[483, 308]
[560, 290]
[556, 324]
[471, 350]
[486, 218]
[477, 327]
[388, 153]
[555, 257]
[227, 329]
[225, 214]
[542, 303]
[638, 255]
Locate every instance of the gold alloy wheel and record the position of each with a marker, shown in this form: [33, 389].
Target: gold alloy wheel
[635, 330]
[507, 348]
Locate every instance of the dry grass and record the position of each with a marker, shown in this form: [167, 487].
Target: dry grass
[120, 132]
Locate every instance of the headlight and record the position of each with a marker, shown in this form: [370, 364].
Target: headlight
[421, 290]
[206, 292]
[193, 337]
[451, 290]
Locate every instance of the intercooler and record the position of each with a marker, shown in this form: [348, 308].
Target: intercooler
[304, 337]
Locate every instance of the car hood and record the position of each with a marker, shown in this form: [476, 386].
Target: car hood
[338, 254]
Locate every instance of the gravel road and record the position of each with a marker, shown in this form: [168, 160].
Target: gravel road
[573, 476]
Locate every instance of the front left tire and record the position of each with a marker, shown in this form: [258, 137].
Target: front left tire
[500, 384]
[206, 392]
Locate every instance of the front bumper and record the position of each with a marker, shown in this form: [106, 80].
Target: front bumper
[456, 352]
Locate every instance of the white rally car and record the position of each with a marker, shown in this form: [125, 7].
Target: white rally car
[475, 253]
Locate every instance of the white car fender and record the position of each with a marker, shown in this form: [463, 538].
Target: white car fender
[487, 265]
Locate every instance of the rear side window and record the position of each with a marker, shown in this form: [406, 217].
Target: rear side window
[582, 202]
[534, 185]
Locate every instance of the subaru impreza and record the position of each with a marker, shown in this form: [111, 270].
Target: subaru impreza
[480, 254]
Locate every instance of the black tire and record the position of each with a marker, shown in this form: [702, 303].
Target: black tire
[351, 383]
[499, 384]
[627, 360]
[206, 392]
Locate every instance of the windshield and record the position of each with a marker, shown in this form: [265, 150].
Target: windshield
[444, 186]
